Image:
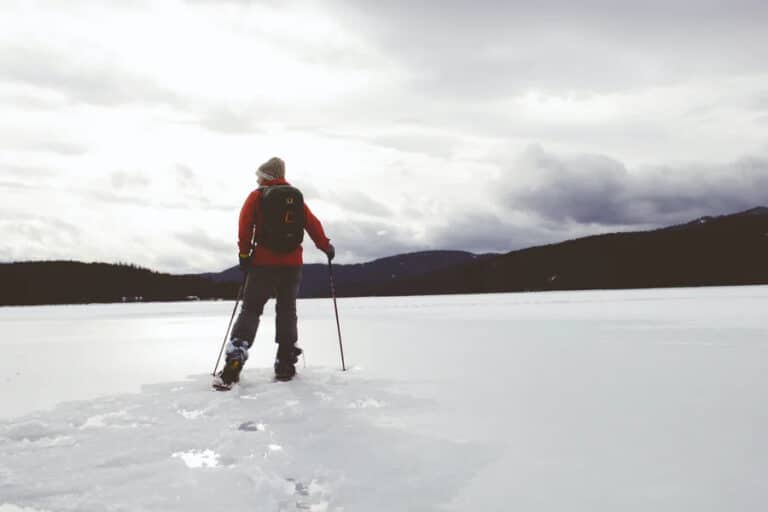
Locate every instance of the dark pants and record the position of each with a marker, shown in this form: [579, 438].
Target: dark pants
[263, 282]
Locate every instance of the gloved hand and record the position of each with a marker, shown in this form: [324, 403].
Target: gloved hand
[245, 262]
[330, 252]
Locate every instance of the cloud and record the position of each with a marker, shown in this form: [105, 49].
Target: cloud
[35, 237]
[128, 179]
[186, 177]
[596, 189]
[189, 203]
[308, 190]
[194, 190]
[46, 144]
[482, 232]
[401, 100]
[441, 146]
[543, 197]
[358, 202]
[27, 171]
[99, 82]
[200, 240]
[359, 240]
[16, 185]
[497, 48]
[227, 121]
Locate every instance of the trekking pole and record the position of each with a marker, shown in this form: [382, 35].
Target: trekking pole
[336, 310]
[239, 296]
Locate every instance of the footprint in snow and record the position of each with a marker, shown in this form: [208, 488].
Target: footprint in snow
[250, 426]
[366, 403]
[310, 495]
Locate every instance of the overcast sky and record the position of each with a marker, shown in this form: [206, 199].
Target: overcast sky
[130, 131]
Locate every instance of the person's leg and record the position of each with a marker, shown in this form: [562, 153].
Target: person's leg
[259, 287]
[286, 331]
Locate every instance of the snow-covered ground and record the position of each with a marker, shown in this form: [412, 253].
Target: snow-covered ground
[587, 401]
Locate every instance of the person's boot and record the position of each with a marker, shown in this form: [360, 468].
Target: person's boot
[285, 362]
[237, 354]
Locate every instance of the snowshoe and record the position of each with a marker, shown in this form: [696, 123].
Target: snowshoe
[219, 385]
[229, 376]
[284, 371]
[285, 363]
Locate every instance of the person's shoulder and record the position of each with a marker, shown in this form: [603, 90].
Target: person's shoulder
[253, 196]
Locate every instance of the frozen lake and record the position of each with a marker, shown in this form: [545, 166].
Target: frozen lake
[597, 400]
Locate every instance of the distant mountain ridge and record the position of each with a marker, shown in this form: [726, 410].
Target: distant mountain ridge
[709, 251]
[370, 275]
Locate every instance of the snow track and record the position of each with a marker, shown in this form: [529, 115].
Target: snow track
[323, 442]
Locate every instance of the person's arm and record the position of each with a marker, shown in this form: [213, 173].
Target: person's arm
[247, 222]
[315, 230]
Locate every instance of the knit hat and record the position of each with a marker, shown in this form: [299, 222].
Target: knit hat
[272, 169]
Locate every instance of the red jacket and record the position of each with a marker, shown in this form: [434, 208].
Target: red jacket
[251, 222]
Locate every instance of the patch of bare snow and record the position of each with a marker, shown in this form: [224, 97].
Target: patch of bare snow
[262, 446]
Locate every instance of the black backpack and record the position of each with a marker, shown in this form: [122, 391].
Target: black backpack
[282, 209]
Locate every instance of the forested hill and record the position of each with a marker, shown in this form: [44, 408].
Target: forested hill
[711, 251]
[69, 282]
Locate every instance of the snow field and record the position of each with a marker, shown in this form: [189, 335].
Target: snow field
[322, 442]
[630, 400]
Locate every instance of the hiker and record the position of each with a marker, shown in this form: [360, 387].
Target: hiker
[271, 229]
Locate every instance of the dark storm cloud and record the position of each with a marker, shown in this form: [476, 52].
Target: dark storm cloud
[359, 240]
[564, 197]
[499, 47]
[483, 232]
[595, 189]
[101, 83]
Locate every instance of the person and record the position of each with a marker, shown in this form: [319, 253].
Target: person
[271, 228]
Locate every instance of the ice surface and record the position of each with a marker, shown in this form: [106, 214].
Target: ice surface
[603, 400]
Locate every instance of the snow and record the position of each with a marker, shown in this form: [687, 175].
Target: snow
[198, 458]
[298, 447]
[601, 400]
